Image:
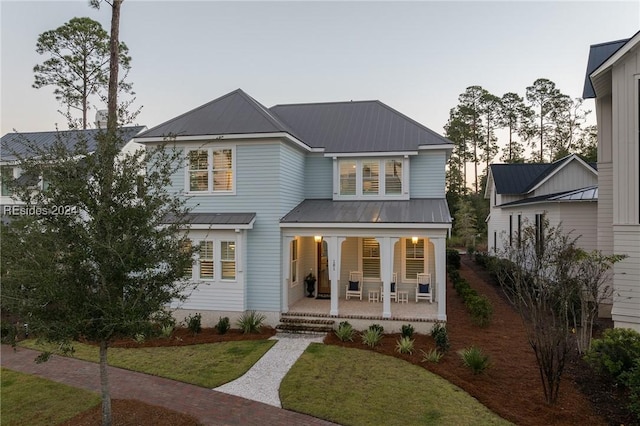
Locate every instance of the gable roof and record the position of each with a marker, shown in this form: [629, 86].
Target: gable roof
[335, 127]
[361, 126]
[13, 145]
[598, 54]
[234, 113]
[523, 178]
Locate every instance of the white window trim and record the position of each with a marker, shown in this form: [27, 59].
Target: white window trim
[217, 259]
[404, 192]
[403, 241]
[210, 150]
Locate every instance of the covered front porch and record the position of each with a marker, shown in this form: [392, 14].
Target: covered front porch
[386, 254]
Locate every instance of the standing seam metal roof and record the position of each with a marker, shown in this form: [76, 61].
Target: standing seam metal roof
[598, 54]
[13, 145]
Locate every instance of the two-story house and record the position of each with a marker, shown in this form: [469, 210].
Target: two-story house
[327, 189]
[563, 193]
[613, 79]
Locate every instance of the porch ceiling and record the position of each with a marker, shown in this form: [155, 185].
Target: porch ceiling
[423, 210]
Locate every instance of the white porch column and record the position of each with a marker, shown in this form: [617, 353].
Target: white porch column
[386, 271]
[286, 272]
[334, 248]
[439, 248]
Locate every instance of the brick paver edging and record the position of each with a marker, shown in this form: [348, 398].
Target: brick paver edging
[208, 406]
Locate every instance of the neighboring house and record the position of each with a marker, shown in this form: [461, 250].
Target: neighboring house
[564, 192]
[321, 188]
[613, 79]
[14, 145]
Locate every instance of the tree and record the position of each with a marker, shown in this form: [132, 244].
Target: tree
[566, 126]
[542, 96]
[469, 112]
[465, 222]
[457, 131]
[490, 108]
[587, 144]
[78, 64]
[112, 259]
[515, 116]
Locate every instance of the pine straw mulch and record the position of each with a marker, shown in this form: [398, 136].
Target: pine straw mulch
[510, 387]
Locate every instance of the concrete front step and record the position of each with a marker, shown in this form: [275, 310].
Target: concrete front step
[304, 324]
[304, 328]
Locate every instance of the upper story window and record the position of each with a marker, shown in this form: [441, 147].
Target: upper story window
[371, 178]
[210, 170]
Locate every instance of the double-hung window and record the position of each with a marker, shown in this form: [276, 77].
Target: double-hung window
[294, 262]
[414, 258]
[210, 170]
[206, 260]
[186, 248]
[228, 260]
[370, 258]
[370, 178]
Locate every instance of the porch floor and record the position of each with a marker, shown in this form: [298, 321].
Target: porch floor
[354, 308]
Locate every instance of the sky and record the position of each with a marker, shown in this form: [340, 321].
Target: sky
[416, 57]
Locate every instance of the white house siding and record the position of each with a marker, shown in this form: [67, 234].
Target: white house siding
[427, 174]
[626, 296]
[581, 218]
[318, 176]
[572, 176]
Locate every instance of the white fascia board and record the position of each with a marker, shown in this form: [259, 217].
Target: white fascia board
[448, 146]
[284, 135]
[571, 158]
[204, 226]
[370, 154]
[322, 225]
[490, 184]
[616, 56]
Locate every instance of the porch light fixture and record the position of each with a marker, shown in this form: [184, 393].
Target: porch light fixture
[317, 238]
[414, 240]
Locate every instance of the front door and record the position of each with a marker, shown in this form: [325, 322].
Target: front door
[324, 285]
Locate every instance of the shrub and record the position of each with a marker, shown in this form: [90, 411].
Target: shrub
[632, 380]
[223, 325]
[345, 332]
[615, 352]
[8, 332]
[194, 323]
[404, 345]
[139, 338]
[407, 330]
[475, 359]
[453, 259]
[377, 327]
[480, 308]
[251, 322]
[432, 356]
[166, 330]
[371, 337]
[455, 276]
[440, 336]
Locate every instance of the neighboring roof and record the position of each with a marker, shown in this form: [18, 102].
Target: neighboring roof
[583, 194]
[598, 54]
[233, 113]
[217, 220]
[521, 178]
[415, 211]
[336, 127]
[13, 145]
[362, 126]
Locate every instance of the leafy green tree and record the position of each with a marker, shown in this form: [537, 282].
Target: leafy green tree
[587, 144]
[464, 224]
[543, 97]
[112, 259]
[567, 119]
[490, 107]
[457, 131]
[77, 64]
[469, 111]
[516, 117]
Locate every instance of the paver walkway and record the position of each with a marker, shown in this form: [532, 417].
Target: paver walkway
[262, 381]
[208, 406]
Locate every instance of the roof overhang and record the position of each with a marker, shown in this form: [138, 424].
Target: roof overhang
[616, 56]
[448, 146]
[367, 225]
[370, 154]
[222, 221]
[282, 135]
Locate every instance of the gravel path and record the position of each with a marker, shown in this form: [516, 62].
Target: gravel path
[262, 382]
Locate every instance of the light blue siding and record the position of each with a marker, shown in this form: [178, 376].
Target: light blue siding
[269, 182]
[427, 172]
[318, 177]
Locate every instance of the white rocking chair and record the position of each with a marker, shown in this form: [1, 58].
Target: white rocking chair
[354, 286]
[393, 288]
[424, 288]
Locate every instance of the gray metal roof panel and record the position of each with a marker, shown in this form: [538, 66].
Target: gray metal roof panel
[362, 126]
[583, 194]
[426, 210]
[516, 178]
[598, 54]
[13, 145]
[215, 218]
[233, 113]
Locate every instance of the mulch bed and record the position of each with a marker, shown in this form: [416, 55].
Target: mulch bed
[510, 387]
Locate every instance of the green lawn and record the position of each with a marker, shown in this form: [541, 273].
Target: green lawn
[31, 401]
[207, 365]
[358, 387]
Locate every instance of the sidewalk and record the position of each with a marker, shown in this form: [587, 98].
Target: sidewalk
[208, 406]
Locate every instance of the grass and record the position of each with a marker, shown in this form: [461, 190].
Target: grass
[357, 387]
[30, 400]
[206, 365]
